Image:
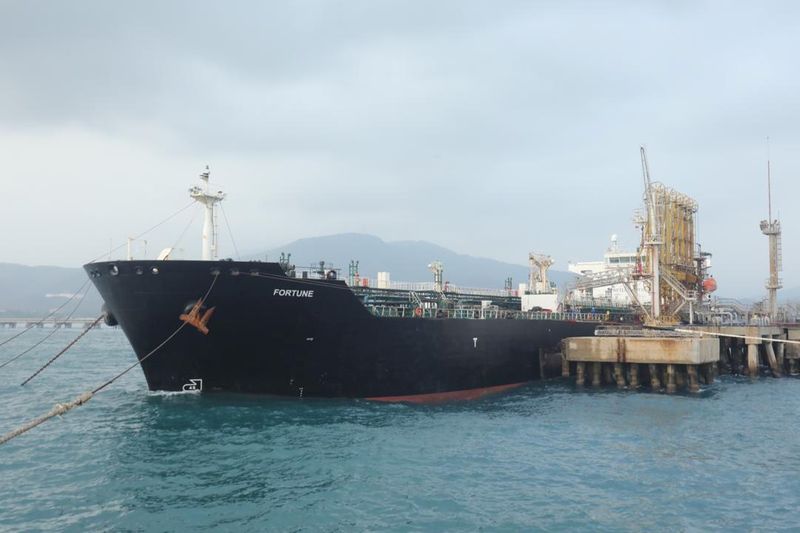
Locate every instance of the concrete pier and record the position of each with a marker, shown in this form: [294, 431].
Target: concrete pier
[51, 322]
[677, 356]
[764, 348]
[686, 358]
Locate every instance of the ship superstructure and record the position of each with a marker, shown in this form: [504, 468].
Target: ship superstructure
[617, 264]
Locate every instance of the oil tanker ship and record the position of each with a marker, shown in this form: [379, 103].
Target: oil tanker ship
[268, 327]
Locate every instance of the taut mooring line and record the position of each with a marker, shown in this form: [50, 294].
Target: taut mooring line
[74, 309]
[67, 347]
[41, 320]
[145, 232]
[731, 335]
[62, 408]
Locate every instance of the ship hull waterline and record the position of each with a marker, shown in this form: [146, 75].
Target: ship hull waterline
[272, 334]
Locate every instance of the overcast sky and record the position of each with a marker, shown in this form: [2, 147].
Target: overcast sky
[491, 128]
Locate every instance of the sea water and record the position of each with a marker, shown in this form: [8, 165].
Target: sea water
[545, 456]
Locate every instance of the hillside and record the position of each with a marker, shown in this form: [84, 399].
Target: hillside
[405, 260]
[36, 290]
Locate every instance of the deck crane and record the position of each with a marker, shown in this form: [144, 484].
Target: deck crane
[537, 277]
[652, 236]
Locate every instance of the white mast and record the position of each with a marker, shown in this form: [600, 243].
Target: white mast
[652, 241]
[203, 195]
[772, 229]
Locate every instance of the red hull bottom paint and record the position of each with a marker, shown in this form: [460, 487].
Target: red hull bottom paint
[439, 397]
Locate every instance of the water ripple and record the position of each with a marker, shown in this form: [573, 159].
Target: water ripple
[542, 457]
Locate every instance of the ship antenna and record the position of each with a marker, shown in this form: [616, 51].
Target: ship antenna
[209, 200]
[769, 185]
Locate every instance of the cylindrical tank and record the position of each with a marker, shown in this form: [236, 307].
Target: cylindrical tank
[709, 285]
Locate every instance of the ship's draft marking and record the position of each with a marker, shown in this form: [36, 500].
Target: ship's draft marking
[475, 342]
[195, 384]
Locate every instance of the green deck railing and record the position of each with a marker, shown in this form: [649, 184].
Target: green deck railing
[391, 311]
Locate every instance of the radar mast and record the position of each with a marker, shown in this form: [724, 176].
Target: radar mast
[202, 193]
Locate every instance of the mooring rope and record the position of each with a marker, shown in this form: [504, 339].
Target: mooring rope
[145, 232]
[62, 408]
[41, 320]
[185, 229]
[67, 347]
[230, 233]
[28, 350]
[139, 236]
[731, 335]
[58, 409]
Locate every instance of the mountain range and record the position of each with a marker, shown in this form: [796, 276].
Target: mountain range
[405, 260]
[36, 290]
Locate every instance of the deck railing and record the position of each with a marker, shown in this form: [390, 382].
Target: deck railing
[429, 286]
[479, 314]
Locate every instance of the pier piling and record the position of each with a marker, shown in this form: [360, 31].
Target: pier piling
[680, 377]
[580, 373]
[708, 372]
[671, 384]
[619, 374]
[773, 361]
[608, 375]
[752, 359]
[691, 374]
[780, 352]
[596, 374]
[655, 381]
[634, 380]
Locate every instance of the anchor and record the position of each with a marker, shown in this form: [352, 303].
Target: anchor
[193, 317]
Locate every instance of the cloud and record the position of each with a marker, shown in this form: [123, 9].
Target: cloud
[488, 129]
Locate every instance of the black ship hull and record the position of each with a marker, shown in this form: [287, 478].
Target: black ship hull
[270, 333]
